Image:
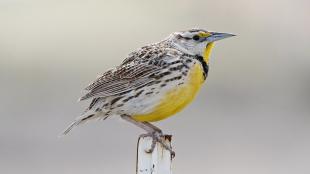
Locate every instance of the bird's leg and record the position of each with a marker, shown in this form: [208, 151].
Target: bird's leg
[157, 137]
[152, 131]
[155, 128]
[141, 125]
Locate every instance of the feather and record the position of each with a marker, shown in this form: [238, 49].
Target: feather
[83, 119]
[134, 72]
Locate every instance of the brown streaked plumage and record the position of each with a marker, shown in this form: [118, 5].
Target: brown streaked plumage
[153, 82]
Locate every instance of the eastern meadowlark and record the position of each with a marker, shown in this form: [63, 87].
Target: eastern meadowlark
[154, 82]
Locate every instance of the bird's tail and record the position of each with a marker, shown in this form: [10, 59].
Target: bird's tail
[83, 119]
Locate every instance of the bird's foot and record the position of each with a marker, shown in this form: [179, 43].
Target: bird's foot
[158, 136]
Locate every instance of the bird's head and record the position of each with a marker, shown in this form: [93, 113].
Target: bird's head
[196, 41]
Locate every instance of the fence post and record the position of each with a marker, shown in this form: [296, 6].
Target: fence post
[157, 162]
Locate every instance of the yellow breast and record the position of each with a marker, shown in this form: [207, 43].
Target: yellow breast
[176, 99]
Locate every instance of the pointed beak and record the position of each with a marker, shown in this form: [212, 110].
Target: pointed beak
[218, 36]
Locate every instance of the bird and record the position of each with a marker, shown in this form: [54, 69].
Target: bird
[153, 82]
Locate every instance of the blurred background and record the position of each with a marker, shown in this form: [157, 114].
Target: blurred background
[252, 115]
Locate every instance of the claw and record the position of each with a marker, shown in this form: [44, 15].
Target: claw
[157, 137]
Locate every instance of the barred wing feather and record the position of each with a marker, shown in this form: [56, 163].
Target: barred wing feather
[127, 77]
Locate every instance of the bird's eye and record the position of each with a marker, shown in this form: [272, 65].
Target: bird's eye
[196, 37]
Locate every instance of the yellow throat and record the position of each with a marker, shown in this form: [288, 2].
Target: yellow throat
[207, 52]
[176, 99]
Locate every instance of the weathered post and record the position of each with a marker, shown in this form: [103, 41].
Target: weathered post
[157, 162]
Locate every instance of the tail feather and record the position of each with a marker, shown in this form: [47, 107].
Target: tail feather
[71, 126]
[80, 120]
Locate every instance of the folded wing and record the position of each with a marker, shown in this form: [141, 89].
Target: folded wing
[139, 71]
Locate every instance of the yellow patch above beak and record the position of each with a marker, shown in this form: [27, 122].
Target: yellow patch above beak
[204, 34]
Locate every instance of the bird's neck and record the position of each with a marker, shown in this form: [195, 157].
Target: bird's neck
[204, 59]
[207, 52]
